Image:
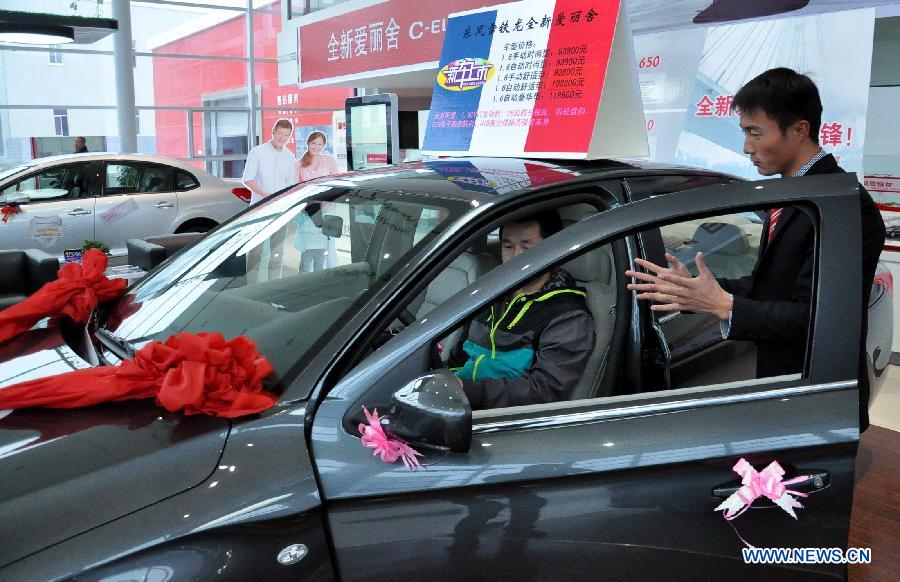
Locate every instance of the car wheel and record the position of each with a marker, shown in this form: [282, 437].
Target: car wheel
[196, 226]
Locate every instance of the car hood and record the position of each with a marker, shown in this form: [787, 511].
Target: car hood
[63, 472]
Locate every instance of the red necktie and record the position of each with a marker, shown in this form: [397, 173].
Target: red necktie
[774, 214]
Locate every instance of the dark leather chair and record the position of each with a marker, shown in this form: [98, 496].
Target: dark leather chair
[147, 253]
[24, 272]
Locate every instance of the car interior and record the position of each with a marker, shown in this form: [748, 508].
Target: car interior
[288, 316]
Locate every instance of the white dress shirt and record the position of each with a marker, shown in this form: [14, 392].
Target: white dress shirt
[271, 170]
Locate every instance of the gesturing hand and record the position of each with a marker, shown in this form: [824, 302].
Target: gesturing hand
[674, 289]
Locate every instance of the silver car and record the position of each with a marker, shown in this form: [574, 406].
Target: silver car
[61, 201]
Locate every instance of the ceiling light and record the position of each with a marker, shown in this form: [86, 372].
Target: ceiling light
[35, 33]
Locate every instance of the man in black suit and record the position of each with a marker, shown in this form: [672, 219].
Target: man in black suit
[780, 114]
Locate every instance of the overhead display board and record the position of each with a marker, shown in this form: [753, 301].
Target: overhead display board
[537, 79]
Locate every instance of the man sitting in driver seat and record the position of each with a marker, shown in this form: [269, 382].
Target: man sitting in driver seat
[532, 346]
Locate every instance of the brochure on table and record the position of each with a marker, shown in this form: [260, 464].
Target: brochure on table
[538, 79]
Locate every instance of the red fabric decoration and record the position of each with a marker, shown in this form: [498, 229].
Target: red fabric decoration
[77, 291]
[196, 374]
[9, 211]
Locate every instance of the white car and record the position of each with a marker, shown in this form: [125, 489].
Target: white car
[61, 201]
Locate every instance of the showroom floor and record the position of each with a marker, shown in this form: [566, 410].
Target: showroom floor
[875, 522]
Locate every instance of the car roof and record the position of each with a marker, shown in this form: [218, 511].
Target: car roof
[486, 178]
[90, 156]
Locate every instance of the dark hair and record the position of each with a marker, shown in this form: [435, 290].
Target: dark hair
[548, 221]
[81, 137]
[306, 160]
[283, 123]
[784, 95]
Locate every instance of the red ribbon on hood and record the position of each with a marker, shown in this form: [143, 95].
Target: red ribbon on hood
[77, 291]
[193, 373]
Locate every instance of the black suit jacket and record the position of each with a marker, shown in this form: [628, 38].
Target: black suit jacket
[772, 305]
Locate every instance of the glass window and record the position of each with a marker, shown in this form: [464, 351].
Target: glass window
[694, 343]
[61, 121]
[326, 269]
[56, 183]
[55, 55]
[155, 179]
[501, 348]
[122, 178]
[185, 181]
[730, 243]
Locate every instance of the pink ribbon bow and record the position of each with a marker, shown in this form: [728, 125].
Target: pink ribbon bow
[765, 483]
[387, 445]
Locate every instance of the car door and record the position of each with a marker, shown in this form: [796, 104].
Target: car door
[622, 486]
[137, 200]
[58, 212]
[691, 344]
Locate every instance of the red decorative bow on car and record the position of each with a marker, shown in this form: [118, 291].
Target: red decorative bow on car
[77, 291]
[193, 373]
[9, 211]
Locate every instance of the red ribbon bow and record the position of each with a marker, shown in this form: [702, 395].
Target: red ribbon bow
[77, 291]
[9, 211]
[195, 374]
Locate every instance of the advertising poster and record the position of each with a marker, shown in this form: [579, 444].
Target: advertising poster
[835, 50]
[537, 78]
[339, 139]
[667, 66]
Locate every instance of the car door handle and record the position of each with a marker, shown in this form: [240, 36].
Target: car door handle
[79, 212]
[816, 480]
[164, 205]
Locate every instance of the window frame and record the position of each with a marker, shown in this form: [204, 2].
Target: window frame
[85, 194]
[176, 188]
[594, 192]
[142, 167]
[61, 121]
[827, 364]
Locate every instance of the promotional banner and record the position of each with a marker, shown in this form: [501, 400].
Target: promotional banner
[666, 65]
[835, 50]
[537, 79]
[384, 37]
[339, 139]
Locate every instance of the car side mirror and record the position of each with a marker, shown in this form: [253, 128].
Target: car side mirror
[332, 226]
[433, 410]
[17, 198]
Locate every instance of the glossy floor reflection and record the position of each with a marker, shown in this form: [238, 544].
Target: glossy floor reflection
[875, 521]
[885, 408]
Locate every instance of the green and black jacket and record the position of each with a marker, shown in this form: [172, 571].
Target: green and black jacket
[528, 350]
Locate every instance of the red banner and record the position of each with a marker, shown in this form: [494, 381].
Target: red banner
[395, 33]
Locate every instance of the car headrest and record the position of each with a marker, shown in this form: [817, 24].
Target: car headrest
[594, 266]
[721, 238]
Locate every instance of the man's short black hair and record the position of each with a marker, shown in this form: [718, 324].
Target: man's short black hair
[548, 221]
[784, 95]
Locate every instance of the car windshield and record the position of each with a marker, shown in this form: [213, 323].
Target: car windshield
[285, 272]
[15, 170]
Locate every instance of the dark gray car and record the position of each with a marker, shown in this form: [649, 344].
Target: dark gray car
[618, 482]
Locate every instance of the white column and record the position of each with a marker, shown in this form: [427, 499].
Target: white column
[124, 58]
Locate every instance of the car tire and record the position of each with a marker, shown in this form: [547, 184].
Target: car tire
[200, 225]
